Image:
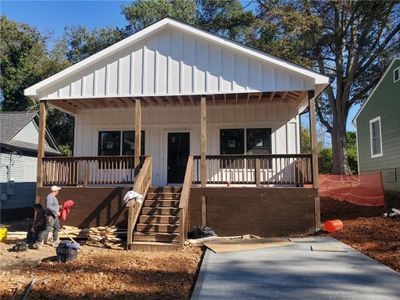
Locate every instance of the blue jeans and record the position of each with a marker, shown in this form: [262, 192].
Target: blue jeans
[52, 223]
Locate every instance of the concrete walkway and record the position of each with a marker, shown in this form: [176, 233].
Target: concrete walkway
[296, 272]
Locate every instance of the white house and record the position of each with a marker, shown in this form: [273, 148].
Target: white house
[189, 93]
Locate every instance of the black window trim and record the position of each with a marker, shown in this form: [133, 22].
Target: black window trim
[121, 141]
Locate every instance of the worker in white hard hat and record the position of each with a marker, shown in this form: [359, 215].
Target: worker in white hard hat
[52, 221]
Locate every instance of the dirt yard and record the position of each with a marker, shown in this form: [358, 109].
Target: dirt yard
[100, 274]
[366, 230]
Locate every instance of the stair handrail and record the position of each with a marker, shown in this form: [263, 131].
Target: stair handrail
[184, 200]
[141, 186]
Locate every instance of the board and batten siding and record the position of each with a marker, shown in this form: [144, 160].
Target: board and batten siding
[172, 62]
[18, 180]
[158, 121]
[384, 102]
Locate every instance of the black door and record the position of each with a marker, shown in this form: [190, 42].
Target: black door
[178, 152]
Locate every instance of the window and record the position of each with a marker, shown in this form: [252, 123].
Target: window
[232, 141]
[396, 74]
[258, 140]
[111, 143]
[375, 137]
[128, 143]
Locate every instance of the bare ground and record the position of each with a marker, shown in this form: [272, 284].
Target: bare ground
[100, 274]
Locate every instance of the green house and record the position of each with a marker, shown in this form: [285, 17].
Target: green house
[378, 130]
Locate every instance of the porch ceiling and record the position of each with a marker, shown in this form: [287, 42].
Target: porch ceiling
[73, 105]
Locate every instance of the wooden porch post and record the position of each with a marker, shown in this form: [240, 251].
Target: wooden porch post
[138, 134]
[203, 141]
[203, 162]
[41, 146]
[314, 153]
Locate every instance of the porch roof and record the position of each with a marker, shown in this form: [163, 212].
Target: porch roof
[173, 59]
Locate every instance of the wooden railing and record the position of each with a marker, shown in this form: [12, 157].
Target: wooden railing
[291, 169]
[89, 170]
[184, 201]
[141, 186]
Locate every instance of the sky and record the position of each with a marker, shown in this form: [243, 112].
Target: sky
[52, 16]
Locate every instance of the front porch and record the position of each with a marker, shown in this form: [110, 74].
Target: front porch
[207, 186]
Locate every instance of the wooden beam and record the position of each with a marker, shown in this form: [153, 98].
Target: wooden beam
[64, 106]
[138, 133]
[283, 97]
[314, 153]
[159, 101]
[191, 100]
[170, 101]
[213, 97]
[181, 100]
[203, 141]
[271, 97]
[236, 98]
[203, 211]
[259, 98]
[148, 101]
[41, 146]
[225, 98]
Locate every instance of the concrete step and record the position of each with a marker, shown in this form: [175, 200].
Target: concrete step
[155, 237]
[153, 246]
[165, 189]
[157, 227]
[172, 211]
[166, 196]
[158, 219]
[161, 203]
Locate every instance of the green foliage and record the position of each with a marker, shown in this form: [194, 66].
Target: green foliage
[305, 141]
[351, 151]
[325, 161]
[25, 61]
[142, 13]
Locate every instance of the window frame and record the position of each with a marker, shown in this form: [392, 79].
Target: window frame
[99, 142]
[398, 73]
[142, 140]
[372, 121]
[121, 141]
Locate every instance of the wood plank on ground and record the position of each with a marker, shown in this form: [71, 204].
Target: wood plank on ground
[220, 246]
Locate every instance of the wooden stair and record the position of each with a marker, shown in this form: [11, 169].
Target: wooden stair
[158, 224]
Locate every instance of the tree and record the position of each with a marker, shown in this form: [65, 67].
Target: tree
[227, 18]
[25, 61]
[350, 41]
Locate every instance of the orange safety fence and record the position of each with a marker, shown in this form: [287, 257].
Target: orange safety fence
[364, 190]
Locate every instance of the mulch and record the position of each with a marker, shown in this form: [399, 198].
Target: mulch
[366, 230]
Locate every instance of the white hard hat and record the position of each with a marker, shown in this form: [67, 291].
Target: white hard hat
[55, 188]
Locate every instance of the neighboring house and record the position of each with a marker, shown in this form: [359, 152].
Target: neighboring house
[207, 113]
[378, 130]
[18, 159]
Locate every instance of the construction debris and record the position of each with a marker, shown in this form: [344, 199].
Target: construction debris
[104, 236]
[19, 247]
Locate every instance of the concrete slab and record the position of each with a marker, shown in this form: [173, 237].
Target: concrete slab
[296, 272]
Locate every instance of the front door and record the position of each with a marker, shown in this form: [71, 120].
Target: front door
[178, 153]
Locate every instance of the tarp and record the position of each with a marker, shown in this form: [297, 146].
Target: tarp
[365, 189]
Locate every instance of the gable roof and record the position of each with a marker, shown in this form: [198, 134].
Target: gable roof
[37, 91]
[13, 122]
[376, 86]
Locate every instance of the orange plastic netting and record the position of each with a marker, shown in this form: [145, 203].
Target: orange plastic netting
[365, 189]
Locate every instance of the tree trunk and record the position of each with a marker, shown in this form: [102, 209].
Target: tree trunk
[340, 164]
